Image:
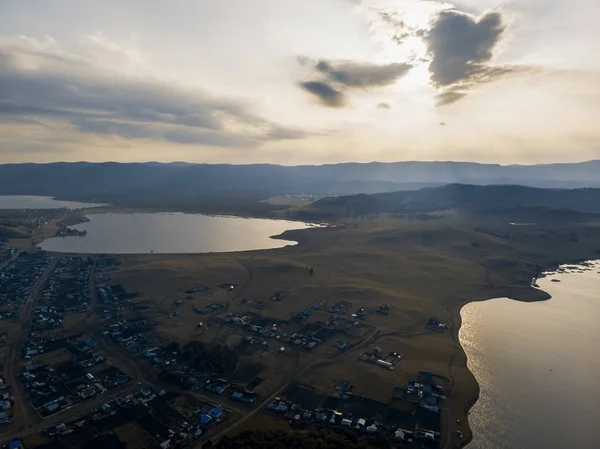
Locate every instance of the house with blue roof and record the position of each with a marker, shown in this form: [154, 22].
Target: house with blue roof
[216, 412]
[205, 419]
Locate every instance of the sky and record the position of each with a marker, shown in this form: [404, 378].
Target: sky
[299, 81]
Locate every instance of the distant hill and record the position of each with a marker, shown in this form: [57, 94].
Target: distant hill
[461, 197]
[155, 182]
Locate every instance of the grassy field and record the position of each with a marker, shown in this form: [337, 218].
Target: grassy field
[421, 269]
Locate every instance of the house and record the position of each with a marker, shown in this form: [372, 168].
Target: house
[196, 432]
[145, 391]
[205, 419]
[15, 444]
[361, 423]
[216, 412]
[403, 435]
[165, 444]
[320, 417]
[431, 400]
[52, 407]
[346, 422]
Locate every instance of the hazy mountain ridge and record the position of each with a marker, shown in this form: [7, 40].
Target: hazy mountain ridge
[110, 180]
[491, 198]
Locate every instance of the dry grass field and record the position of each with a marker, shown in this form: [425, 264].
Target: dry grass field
[421, 269]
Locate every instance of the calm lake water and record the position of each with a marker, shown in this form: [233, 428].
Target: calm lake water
[538, 366]
[40, 202]
[172, 233]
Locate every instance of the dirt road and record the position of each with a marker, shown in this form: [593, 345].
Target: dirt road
[22, 417]
[10, 259]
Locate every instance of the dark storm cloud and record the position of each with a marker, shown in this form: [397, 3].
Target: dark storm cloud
[326, 94]
[362, 75]
[461, 46]
[69, 89]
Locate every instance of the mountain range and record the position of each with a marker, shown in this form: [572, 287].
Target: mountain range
[126, 182]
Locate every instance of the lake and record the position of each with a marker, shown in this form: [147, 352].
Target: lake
[537, 365]
[40, 202]
[140, 233]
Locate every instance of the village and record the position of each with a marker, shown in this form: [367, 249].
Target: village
[416, 421]
[91, 345]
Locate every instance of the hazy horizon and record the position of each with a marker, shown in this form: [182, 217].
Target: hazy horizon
[306, 165]
[299, 83]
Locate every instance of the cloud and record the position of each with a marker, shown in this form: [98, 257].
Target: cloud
[175, 134]
[362, 75]
[461, 48]
[338, 77]
[326, 94]
[449, 97]
[462, 45]
[39, 79]
[383, 105]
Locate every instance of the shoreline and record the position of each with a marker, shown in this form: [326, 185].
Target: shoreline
[457, 319]
[290, 235]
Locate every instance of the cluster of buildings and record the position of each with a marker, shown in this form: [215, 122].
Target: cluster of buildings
[70, 381]
[299, 417]
[5, 252]
[152, 412]
[67, 289]
[114, 298]
[295, 333]
[436, 325]
[377, 357]
[6, 403]
[139, 338]
[423, 393]
[413, 423]
[302, 338]
[18, 278]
